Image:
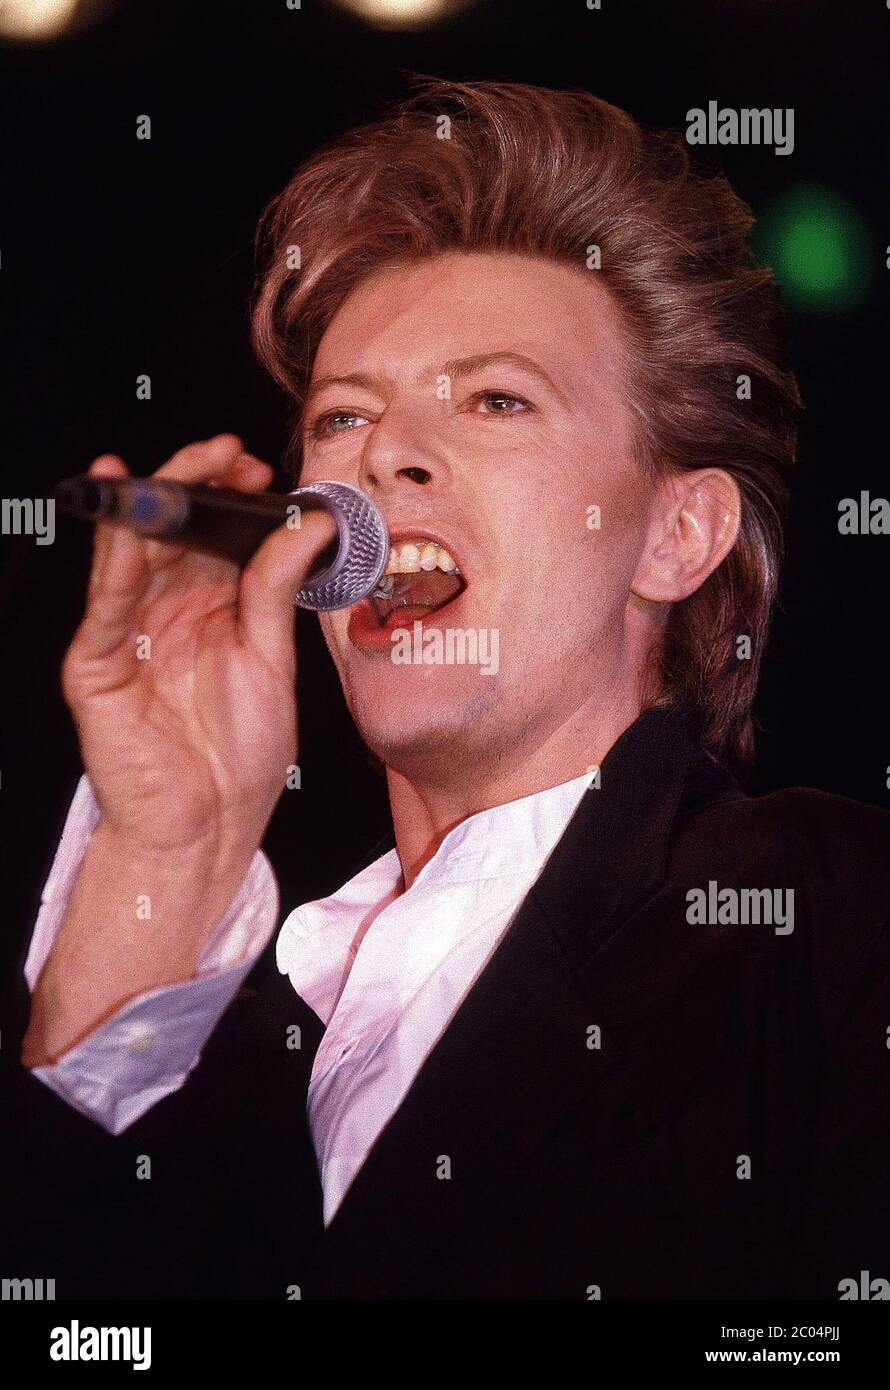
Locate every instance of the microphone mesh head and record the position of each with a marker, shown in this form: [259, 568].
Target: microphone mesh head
[362, 552]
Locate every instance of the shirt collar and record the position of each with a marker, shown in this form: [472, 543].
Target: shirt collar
[505, 839]
[496, 842]
[503, 848]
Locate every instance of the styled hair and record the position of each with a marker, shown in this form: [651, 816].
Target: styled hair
[505, 167]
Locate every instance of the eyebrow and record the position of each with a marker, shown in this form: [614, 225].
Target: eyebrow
[456, 368]
[367, 383]
[461, 367]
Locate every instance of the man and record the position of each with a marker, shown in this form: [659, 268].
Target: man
[598, 1025]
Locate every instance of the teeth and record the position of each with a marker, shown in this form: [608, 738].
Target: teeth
[411, 556]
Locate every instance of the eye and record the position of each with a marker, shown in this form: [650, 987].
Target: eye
[499, 403]
[335, 422]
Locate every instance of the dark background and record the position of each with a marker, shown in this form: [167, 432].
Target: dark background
[121, 257]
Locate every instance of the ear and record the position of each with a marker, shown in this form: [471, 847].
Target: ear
[695, 527]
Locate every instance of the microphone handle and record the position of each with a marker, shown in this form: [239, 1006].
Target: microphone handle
[221, 521]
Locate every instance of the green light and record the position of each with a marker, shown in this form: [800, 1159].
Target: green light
[819, 249]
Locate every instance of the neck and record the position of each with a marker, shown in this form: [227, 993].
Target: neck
[426, 806]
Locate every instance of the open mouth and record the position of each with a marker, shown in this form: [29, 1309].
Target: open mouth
[421, 577]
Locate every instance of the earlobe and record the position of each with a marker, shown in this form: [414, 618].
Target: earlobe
[645, 605]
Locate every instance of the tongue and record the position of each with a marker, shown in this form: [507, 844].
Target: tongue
[424, 591]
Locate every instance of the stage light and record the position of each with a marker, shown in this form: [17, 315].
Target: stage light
[819, 248]
[401, 14]
[35, 19]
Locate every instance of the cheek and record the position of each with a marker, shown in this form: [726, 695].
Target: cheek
[579, 560]
[615, 520]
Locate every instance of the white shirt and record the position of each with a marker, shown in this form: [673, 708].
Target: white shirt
[384, 1003]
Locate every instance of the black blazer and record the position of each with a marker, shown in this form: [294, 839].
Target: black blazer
[576, 1170]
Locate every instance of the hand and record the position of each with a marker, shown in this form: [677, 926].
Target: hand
[181, 676]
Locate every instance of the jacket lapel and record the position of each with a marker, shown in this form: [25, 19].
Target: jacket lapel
[515, 1057]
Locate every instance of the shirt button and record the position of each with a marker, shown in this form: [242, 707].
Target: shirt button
[142, 1038]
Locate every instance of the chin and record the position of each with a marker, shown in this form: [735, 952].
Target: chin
[424, 733]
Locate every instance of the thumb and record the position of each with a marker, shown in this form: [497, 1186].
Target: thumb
[270, 583]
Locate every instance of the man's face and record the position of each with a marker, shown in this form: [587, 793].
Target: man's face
[485, 408]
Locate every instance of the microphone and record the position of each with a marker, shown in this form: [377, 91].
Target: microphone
[234, 524]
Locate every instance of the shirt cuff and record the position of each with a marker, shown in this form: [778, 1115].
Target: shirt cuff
[146, 1049]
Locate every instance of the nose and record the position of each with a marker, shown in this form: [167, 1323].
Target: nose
[413, 472]
[400, 455]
